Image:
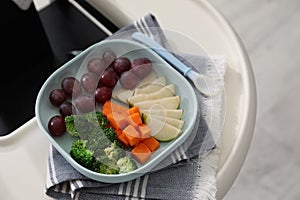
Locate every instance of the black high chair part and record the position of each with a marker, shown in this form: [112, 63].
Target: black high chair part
[36, 43]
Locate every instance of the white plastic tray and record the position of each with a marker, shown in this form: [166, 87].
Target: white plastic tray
[24, 152]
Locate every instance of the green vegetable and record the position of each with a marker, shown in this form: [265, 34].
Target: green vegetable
[125, 164]
[104, 169]
[82, 125]
[112, 136]
[113, 152]
[78, 125]
[96, 119]
[82, 155]
[108, 160]
[97, 147]
[97, 141]
[70, 126]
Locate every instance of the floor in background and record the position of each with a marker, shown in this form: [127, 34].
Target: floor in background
[270, 31]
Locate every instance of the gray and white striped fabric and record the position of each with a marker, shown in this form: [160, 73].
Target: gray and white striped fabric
[177, 177]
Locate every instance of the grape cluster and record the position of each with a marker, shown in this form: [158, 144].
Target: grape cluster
[95, 86]
[59, 97]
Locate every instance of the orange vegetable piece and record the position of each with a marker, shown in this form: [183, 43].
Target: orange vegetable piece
[134, 119]
[106, 108]
[141, 153]
[144, 131]
[122, 138]
[118, 108]
[118, 132]
[151, 143]
[117, 121]
[133, 110]
[109, 107]
[132, 135]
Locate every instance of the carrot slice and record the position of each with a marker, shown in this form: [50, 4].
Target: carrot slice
[122, 138]
[133, 136]
[133, 110]
[117, 121]
[109, 107]
[144, 131]
[141, 153]
[151, 143]
[118, 132]
[118, 108]
[134, 119]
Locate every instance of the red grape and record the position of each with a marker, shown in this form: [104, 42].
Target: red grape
[103, 94]
[141, 67]
[57, 97]
[109, 56]
[89, 82]
[66, 108]
[121, 65]
[96, 65]
[129, 80]
[109, 78]
[71, 86]
[141, 61]
[85, 103]
[56, 125]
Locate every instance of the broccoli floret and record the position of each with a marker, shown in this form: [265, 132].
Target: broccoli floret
[97, 118]
[98, 148]
[102, 119]
[107, 165]
[113, 152]
[126, 164]
[104, 169]
[70, 126]
[78, 126]
[112, 136]
[91, 117]
[97, 141]
[108, 159]
[82, 155]
[86, 158]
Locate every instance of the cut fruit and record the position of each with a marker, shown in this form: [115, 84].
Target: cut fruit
[123, 96]
[148, 79]
[172, 121]
[153, 86]
[162, 131]
[117, 90]
[166, 91]
[172, 113]
[165, 103]
[155, 125]
[168, 133]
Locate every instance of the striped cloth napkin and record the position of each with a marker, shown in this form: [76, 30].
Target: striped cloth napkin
[188, 173]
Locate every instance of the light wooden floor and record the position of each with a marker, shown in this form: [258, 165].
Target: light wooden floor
[270, 30]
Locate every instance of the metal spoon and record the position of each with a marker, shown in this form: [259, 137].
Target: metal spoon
[204, 84]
